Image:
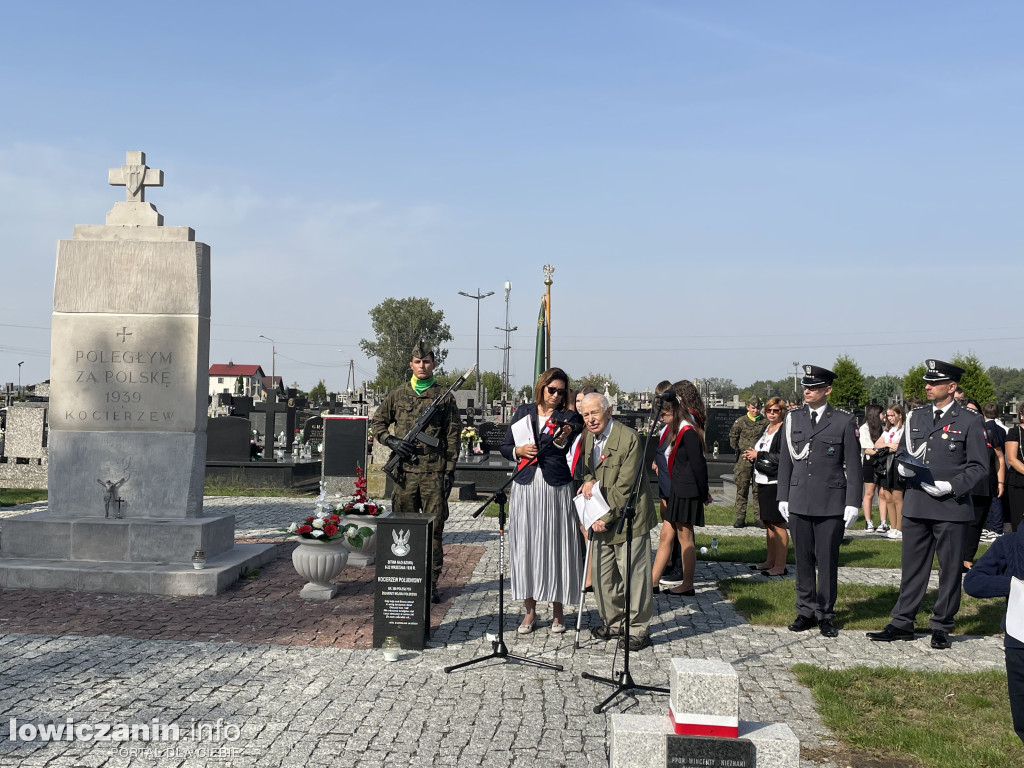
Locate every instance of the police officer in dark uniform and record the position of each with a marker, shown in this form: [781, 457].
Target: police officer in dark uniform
[949, 440]
[820, 480]
[427, 473]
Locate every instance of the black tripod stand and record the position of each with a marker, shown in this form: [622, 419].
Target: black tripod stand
[500, 650]
[623, 681]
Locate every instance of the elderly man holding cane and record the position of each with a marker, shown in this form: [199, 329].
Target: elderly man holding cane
[612, 456]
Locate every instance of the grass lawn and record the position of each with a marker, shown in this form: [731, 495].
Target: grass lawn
[220, 488]
[10, 497]
[860, 552]
[943, 719]
[858, 606]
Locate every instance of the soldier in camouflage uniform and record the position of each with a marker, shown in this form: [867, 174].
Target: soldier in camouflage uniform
[744, 433]
[427, 473]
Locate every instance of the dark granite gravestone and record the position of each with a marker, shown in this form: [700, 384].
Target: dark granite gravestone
[720, 421]
[228, 439]
[344, 445]
[241, 406]
[313, 432]
[707, 752]
[401, 603]
[223, 399]
[271, 409]
[491, 436]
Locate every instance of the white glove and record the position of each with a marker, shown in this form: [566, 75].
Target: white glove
[941, 488]
[784, 510]
[850, 515]
[904, 472]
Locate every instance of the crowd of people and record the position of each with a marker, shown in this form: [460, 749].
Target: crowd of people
[947, 475]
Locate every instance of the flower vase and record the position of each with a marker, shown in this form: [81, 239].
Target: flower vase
[463, 452]
[319, 562]
[365, 553]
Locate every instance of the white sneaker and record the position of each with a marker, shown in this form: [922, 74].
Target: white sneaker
[882, 527]
[869, 527]
[891, 534]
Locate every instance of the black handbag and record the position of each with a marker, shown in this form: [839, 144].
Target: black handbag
[768, 465]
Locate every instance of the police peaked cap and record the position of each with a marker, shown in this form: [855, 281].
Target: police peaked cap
[937, 370]
[815, 376]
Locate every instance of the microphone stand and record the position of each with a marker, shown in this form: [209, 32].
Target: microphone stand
[623, 681]
[499, 649]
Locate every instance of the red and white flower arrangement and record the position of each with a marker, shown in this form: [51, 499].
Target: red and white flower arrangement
[328, 522]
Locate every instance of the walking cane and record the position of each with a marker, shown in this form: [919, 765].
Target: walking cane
[583, 595]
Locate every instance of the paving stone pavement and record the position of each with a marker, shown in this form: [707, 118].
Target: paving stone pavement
[297, 705]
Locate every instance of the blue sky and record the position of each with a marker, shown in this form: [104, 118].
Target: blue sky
[723, 188]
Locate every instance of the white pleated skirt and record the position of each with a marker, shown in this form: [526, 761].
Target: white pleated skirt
[546, 560]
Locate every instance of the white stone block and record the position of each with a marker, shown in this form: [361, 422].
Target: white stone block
[704, 697]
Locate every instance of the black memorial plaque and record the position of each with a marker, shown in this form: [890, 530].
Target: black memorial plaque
[228, 439]
[720, 421]
[401, 600]
[709, 752]
[344, 445]
[313, 432]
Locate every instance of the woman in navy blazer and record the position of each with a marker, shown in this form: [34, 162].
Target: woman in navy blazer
[544, 551]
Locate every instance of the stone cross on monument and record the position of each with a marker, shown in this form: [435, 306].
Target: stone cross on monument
[134, 176]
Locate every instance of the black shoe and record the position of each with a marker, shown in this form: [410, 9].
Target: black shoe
[740, 523]
[589, 589]
[603, 632]
[435, 597]
[891, 633]
[636, 643]
[828, 629]
[940, 640]
[802, 624]
[685, 593]
[656, 590]
[759, 523]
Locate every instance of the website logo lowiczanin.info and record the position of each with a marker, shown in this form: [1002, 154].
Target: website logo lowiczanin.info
[154, 730]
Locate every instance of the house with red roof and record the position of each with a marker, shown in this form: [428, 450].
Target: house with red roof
[224, 378]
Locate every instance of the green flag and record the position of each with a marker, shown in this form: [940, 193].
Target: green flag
[540, 353]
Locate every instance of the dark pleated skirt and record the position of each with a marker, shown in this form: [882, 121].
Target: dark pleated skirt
[684, 510]
[768, 505]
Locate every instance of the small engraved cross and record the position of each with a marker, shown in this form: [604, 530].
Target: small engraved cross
[134, 176]
[124, 333]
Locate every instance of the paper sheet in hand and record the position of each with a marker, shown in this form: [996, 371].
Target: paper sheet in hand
[522, 432]
[1015, 610]
[594, 508]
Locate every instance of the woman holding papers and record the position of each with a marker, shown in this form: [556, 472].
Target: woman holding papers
[991, 576]
[690, 489]
[544, 551]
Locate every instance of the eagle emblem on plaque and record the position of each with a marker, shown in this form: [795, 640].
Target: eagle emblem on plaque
[400, 547]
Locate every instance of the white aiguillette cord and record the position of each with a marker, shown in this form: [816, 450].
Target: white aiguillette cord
[918, 452]
[789, 442]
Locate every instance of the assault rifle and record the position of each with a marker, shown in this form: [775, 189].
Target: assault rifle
[391, 469]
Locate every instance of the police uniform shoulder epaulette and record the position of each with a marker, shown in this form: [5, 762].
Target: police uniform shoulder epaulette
[841, 410]
[971, 411]
[921, 408]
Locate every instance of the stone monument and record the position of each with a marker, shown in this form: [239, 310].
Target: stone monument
[129, 357]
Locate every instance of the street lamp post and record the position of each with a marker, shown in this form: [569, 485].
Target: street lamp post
[505, 349]
[19, 377]
[273, 359]
[479, 297]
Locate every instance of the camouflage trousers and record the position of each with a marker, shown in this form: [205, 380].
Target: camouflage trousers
[423, 493]
[743, 473]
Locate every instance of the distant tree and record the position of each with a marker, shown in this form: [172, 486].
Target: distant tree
[239, 386]
[913, 383]
[1008, 383]
[885, 390]
[723, 388]
[597, 381]
[975, 381]
[398, 324]
[848, 387]
[764, 388]
[318, 393]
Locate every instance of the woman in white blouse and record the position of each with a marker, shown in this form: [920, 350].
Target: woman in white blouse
[765, 455]
[892, 483]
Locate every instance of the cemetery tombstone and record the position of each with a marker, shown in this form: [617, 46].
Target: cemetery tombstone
[313, 433]
[228, 439]
[344, 451]
[720, 421]
[401, 605]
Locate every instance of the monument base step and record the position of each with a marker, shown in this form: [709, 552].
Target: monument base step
[135, 578]
[640, 741]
